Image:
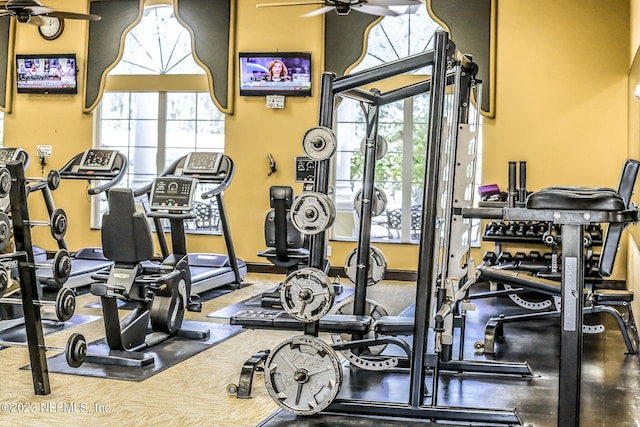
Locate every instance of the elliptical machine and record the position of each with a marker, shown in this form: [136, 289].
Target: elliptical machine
[160, 292]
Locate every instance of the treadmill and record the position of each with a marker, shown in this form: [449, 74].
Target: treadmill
[105, 168]
[208, 271]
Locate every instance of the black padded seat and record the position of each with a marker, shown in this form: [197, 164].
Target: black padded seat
[126, 234]
[331, 323]
[577, 198]
[612, 295]
[285, 243]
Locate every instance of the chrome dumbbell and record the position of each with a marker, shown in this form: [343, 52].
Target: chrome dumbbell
[75, 351]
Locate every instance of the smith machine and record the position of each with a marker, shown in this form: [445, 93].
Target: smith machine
[304, 375]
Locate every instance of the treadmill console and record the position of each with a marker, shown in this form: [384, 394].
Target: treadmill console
[7, 155]
[202, 163]
[97, 160]
[172, 193]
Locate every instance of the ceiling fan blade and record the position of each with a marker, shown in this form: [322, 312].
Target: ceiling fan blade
[374, 10]
[71, 15]
[318, 11]
[393, 2]
[293, 3]
[36, 20]
[39, 10]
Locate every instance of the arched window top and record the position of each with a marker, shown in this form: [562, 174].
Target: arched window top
[158, 45]
[395, 37]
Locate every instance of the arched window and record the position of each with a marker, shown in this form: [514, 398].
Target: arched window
[400, 173]
[156, 106]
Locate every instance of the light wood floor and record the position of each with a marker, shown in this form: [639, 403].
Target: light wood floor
[192, 393]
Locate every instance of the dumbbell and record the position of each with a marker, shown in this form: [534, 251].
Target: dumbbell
[489, 258]
[57, 224]
[61, 266]
[491, 228]
[505, 257]
[534, 256]
[520, 256]
[500, 229]
[75, 351]
[5, 182]
[64, 304]
[52, 181]
[5, 231]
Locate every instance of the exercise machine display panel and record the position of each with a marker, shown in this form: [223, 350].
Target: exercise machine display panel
[99, 160]
[202, 162]
[172, 193]
[305, 169]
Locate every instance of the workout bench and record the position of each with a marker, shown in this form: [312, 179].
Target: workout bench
[572, 208]
[616, 302]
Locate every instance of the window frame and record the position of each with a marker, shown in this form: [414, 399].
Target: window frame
[162, 84]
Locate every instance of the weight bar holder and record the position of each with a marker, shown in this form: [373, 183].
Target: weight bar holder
[24, 259]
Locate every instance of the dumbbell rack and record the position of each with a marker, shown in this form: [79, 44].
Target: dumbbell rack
[24, 258]
[528, 233]
[509, 232]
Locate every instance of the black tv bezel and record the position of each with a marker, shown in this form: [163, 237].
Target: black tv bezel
[284, 92]
[47, 91]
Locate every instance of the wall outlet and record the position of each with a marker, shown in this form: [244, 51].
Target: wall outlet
[328, 250]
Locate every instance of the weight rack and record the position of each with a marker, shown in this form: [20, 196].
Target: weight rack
[28, 282]
[446, 70]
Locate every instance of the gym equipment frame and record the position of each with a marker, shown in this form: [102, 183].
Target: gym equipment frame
[24, 259]
[446, 69]
[572, 208]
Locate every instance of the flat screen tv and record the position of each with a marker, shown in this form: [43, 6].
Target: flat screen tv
[275, 73]
[46, 73]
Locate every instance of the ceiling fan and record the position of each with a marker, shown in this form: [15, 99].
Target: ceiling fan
[31, 11]
[343, 7]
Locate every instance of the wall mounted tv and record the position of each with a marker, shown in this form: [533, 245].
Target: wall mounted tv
[275, 73]
[45, 73]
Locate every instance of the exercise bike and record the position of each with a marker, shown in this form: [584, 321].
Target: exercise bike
[159, 291]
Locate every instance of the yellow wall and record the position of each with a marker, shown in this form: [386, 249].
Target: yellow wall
[562, 96]
[561, 100]
[633, 102]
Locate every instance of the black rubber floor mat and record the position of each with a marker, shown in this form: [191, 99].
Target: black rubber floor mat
[165, 354]
[254, 303]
